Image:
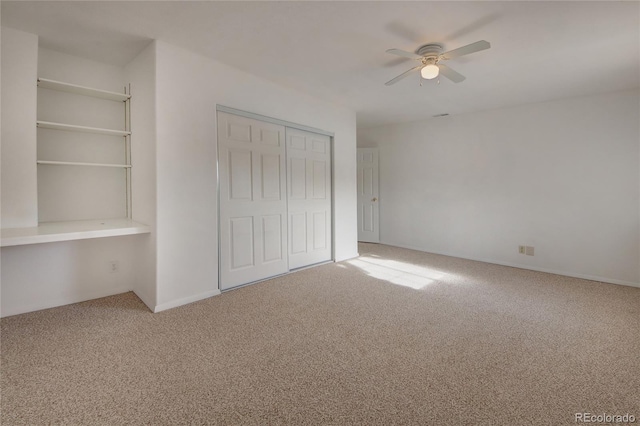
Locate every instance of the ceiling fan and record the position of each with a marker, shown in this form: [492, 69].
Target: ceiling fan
[431, 57]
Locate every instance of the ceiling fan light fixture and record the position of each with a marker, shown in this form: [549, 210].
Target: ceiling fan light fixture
[430, 71]
[430, 55]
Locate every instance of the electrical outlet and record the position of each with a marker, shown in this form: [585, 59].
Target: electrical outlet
[113, 266]
[521, 249]
[529, 251]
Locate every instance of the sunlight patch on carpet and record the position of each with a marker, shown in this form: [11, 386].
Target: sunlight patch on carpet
[395, 272]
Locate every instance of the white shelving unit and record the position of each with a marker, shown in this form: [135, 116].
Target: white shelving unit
[83, 229]
[82, 90]
[126, 133]
[85, 129]
[75, 163]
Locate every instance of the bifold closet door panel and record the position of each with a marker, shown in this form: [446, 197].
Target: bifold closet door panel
[309, 197]
[253, 205]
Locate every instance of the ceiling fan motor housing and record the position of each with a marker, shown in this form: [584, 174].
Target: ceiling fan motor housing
[430, 51]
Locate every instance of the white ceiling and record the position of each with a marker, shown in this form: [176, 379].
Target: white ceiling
[336, 50]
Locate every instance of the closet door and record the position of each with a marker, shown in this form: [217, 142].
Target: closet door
[309, 197]
[253, 207]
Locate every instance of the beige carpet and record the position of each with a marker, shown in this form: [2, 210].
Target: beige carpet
[433, 340]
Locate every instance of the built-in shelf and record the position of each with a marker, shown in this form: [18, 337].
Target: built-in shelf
[49, 232]
[57, 170]
[74, 128]
[74, 163]
[81, 90]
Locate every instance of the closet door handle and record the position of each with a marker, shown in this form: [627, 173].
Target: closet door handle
[374, 199]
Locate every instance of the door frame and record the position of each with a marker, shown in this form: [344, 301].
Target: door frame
[267, 119]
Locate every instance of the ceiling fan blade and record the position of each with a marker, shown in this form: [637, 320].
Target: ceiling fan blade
[404, 54]
[465, 50]
[452, 75]
[401, 76]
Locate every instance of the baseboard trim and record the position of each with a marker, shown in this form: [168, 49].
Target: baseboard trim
[185, 300]
[530, 268]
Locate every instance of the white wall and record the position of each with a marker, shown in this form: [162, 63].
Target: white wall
[141, 74]
[19, 73]
[46, 275]
[561, 176]
[188, 88]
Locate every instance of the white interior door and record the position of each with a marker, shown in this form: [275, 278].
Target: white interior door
[368, 195]
[253, 207]
[309, 197]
